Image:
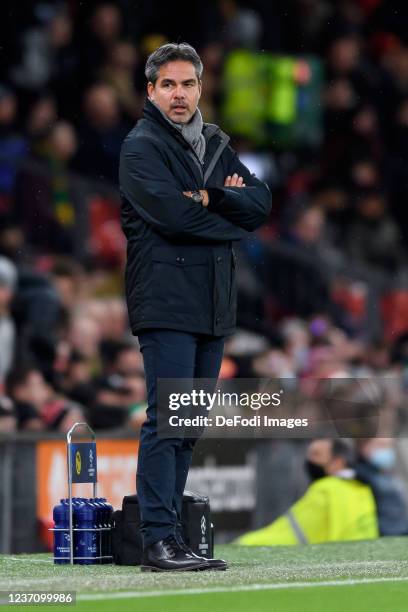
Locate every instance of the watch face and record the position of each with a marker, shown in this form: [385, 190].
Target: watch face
[197, 196]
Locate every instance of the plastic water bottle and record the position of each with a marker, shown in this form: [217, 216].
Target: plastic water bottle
[85, 541]
[105, 522]
[99, 519]
[102, 534]
[108, 523]
[61, 538]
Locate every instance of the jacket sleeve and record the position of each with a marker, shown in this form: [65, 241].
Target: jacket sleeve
[307, 521]
[149, 186]
[247, 207]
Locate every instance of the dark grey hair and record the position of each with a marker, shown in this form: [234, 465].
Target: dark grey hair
[170, 53]
[343, 448]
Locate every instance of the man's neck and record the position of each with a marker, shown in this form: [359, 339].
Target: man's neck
[191, 131]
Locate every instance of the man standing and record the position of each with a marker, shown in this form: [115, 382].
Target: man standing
[185, 198]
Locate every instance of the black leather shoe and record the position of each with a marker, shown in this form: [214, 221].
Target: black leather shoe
[213, 564]
[168, 556]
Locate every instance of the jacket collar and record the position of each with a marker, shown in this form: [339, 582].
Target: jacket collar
[152, 113]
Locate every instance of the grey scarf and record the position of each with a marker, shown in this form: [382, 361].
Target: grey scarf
[191, 132]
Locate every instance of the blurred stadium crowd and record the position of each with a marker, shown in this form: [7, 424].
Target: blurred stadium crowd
[323, 288]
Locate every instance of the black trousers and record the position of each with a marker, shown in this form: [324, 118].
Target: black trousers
[163, 464]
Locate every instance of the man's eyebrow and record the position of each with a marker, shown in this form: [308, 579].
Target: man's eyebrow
[192, 80]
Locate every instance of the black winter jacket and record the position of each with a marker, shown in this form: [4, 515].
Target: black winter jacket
[180, 271]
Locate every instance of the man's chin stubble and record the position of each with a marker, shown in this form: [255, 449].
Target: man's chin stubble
[179, 119]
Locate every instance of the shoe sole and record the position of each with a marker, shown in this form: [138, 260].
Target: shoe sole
[152, 568]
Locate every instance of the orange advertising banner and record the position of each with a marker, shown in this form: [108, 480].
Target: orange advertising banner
[116, 460]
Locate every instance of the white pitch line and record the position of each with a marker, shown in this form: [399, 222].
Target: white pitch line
[274, 586]
[337, 566]
[30, 560]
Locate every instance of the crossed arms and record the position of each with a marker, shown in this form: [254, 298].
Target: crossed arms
[243, 203]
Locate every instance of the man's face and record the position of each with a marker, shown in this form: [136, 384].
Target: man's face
[319, 452]
[6, 295]
[34, 390]
[176, 91]
[129, 363]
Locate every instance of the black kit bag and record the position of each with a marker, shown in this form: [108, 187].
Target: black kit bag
[127, 545]
[198, 530]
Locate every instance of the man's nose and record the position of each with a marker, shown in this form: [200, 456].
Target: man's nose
[179, 92]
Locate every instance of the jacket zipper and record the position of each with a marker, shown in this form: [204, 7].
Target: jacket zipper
[213, 160]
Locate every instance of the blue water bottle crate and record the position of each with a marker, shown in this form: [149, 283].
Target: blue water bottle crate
[82, 526]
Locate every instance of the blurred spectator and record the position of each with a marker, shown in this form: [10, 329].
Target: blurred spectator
[301, 254]
[307, 228]
[64, 60]
[212, 58]
[68, 279]
[8, 421]
[119, 396]
[376, 467]
[77, 378]
[336, 506]
[8, 282]
[11, 239]
[122, 358]
[37, 405]
[13, 148]
[344, 56]
[373, 239]
[85, 335]
[47, 57]
[296, 341]
[399, 360]
[101, 134]
[274, 364]
[364, 174]
[31, 70]
[242, 26]
[396, 166]
[41, 117]
[119, 73]
[49, 199]
[105, 27]
[37, 312]
[366, 136]
[333, 199]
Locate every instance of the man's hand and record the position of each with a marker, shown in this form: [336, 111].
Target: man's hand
[203, 192]
[234, 181]
[230, 181]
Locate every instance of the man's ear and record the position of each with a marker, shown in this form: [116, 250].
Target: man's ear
[200, 87]
[150, 90]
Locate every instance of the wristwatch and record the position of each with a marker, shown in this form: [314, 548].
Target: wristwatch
[197, 196]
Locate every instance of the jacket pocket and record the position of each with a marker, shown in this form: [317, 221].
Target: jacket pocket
[180, 280]
[182, 258]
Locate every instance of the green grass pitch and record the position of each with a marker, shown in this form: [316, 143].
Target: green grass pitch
[368, 576]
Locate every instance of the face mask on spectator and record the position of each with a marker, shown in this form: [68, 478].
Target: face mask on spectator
[383, 458]
[314, 470]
